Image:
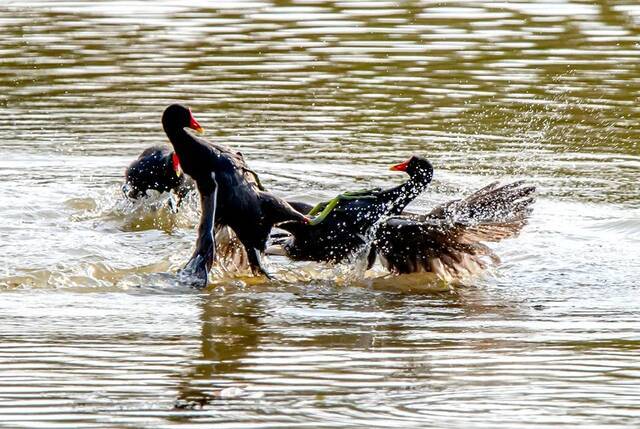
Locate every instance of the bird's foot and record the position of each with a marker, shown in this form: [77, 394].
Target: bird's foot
[195, 272]
[260, 271]
[173, 204]
[255, 261]
[268, 275]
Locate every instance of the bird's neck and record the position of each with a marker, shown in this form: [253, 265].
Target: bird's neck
[420, 181]
[177, 135]
[188, 150]
[402, 195]
[184, 144]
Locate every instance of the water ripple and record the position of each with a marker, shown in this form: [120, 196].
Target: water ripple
[320, 97]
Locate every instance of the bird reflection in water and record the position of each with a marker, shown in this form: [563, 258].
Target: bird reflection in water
[229, 332]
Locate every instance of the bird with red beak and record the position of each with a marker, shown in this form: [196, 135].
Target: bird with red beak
[341, 225]
[230, 195]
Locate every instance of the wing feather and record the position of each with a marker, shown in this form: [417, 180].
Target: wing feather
[448, 241]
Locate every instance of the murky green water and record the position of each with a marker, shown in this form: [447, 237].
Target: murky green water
[319, 96]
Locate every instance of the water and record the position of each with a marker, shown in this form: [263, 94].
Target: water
[320, 97]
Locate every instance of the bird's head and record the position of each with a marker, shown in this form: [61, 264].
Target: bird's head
[179, 116]
[416, 167]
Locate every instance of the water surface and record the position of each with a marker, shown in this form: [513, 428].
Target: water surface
[320, 97]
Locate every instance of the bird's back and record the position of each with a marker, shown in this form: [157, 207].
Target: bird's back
[342, 232]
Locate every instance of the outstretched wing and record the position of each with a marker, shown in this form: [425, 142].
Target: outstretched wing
[448, 240]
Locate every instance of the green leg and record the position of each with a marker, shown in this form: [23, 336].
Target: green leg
[331, 204]
[325, 212]
[317, 208]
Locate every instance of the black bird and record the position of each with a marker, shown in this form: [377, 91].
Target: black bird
[230, 195]
[344, 223]
[157, 168]
[448, 241]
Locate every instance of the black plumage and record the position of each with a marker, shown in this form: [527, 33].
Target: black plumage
[347, 227]
[448, 241]
[158, 169]
[230, 195]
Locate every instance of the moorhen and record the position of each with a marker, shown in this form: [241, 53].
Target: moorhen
[447, 241]
[230, 194]
[342, 225]
[157, 168]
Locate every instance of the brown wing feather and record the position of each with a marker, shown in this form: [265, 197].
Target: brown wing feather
[448, 240]
[231, 255]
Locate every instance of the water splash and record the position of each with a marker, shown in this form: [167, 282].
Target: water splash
[158, 210]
